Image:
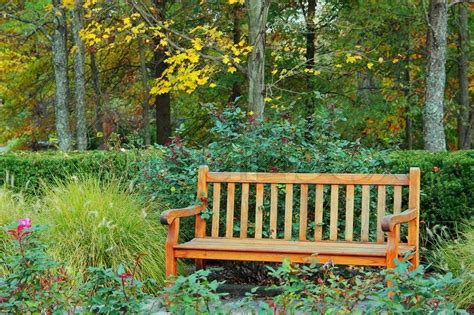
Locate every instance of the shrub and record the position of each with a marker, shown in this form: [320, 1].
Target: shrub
[35, 283]
[316, 289]
[456, 256]
[241, 144]
[110, 292]
[12, 206]
[99, 224]
[27, 171]
[447, 184]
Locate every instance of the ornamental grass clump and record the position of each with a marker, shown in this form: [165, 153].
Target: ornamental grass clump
[101, 224]
[457, 257]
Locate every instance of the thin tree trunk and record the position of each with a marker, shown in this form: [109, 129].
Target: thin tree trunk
[310, 33]
[258, 13]
[407, 89]
[79, 78]
[162, 101]
[236, 34]
[310, 15]
[98, 94]
[464, 125]
[146, 94]
[434, 136]
[60, 63]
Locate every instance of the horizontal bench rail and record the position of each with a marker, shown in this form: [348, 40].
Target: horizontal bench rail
[307, 178]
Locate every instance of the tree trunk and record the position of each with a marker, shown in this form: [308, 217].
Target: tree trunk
[79, 78]
[258, 13]
[236, 34]
[310, 54]
[433, 112]
[162, 101]
[464, 125]
[98, 94]
[146, 94]
[408, 145]
[310, 33]
[60, 63]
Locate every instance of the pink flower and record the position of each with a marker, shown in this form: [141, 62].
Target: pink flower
[23, 223]
[124, 275]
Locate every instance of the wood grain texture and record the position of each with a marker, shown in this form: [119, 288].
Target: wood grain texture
[349, 228]
[318, 224]
[216, 208]
[303, 212]
[414, 203]
[273, 210]
[381, 205]
[334, 212]
[365, 213]
[244, 211]
[229, 226]
[307, 178]
[259, 212]
[288, 211]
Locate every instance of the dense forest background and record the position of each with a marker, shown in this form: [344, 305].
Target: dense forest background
[90, 74]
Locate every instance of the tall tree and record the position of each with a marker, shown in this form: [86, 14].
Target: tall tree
[258, 14]
[79, 77]
[60, 62]
[434, 136]
[466, 114]
[97, 91]
[162, 101]
[236, 35]
[146, 93]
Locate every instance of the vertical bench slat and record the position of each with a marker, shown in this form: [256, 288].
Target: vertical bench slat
[318, 216]
[259, 212]
[397, 204]
[216, 208]
[364, 235]
[349, 212]
[303, 211]
[334, 212]
[230, 210]
[288, 211]
[273, 210]
[381, 194]
[244, 211]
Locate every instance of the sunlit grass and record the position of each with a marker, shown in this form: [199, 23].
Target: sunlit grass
[91, 223]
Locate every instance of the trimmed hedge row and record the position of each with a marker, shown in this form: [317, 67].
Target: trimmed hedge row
[26, 171]
[447, 195]
[447, 184]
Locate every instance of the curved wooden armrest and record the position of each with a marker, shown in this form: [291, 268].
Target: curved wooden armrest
[168, 216]
[390, 221]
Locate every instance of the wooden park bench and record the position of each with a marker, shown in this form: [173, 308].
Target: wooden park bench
[264, 227]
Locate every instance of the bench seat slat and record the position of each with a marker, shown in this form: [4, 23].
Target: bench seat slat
[307, 178]
[282, 246]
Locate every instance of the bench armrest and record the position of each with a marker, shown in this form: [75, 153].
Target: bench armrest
[168, 216]
[390, 221]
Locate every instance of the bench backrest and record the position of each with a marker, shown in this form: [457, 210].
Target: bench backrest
[305, 206]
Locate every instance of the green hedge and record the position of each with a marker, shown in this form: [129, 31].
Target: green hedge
[447, 184]
[26, 171]
[447, 187]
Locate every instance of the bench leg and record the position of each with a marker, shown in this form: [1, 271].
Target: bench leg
[171, 263]
[173, 231]
[200, 264]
